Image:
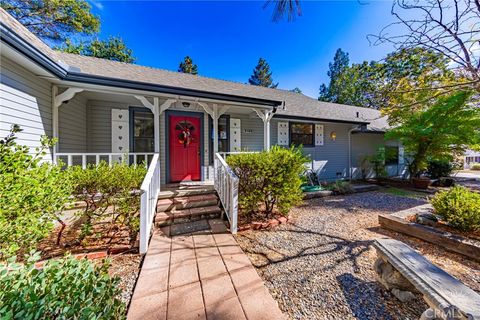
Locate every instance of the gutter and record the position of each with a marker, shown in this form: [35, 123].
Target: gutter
[65, 72]
[283, 116]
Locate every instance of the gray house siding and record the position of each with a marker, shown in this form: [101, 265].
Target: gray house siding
[25, 99]
[72, 125]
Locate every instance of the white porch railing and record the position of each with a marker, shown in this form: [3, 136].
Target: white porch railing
[148, 201]
[85, 158]
[226, 185]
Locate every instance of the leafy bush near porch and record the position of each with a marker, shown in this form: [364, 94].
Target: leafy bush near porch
[460, 207]
[32, 192]
[439, 168]
[475, 166]
[269, 178]
[65, 288]
[341, 187]
[111, 194]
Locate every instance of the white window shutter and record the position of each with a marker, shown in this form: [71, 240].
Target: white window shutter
[120, 131]
[235, 135]
[401, 155]
[282, 133]
[319, 134]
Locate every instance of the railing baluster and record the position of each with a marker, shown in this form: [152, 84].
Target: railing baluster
[69, 160]
[84, 161]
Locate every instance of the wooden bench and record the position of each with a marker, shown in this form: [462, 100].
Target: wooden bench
[403, 271]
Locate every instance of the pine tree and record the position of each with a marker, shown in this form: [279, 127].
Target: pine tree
[262, 76]
[187, 66]
[340, 63]
[296, 90]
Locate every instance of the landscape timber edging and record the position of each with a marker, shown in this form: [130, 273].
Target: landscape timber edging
[450, 242]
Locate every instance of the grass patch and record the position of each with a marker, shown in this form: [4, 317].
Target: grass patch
[403, 193]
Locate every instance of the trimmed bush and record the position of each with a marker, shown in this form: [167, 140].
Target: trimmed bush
[341, 187]
[475, 166]
[439, 168]
[32, 193]
[102, 187]
[270, 178]
[460, 207]
[65, 288]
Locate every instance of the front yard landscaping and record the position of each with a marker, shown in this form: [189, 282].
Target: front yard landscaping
[321, 265]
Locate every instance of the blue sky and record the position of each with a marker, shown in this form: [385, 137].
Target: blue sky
[226, 38]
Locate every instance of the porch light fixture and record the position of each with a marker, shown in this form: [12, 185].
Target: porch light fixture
[186, 104]
[333, 135]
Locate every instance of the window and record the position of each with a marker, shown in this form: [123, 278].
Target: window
[302, 134]
[223, 135]
[391, 155]
[142, 130]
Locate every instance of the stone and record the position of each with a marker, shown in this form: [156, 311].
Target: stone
[282, 220]
[428, 219]
[390, 277]
[403, 296]
[273, 222]
[256, 225]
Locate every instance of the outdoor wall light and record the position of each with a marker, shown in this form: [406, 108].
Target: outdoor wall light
[186, 104]
[333, 135]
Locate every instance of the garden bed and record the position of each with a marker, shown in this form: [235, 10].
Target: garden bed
[321, 266]
[465, 243]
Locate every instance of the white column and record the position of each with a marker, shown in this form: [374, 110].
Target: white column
[156, 125]
[215, 128]
[266, 116]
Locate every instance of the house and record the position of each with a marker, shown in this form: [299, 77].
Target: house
[470, 157]
[100, 109]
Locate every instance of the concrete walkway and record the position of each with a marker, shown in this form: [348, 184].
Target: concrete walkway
[200, 275]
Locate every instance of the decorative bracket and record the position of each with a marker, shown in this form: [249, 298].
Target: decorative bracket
[155, 107]
[65, 96]
[214, 111]
[266, 115]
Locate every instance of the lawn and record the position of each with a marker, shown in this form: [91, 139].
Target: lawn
[321, 266]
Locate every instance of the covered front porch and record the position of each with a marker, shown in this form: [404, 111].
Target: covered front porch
[94, 124]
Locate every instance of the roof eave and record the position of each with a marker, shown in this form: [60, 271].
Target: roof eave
[284, 116]
[11, 38]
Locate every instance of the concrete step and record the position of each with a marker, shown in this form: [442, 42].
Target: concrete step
[185, 192]
[188, 202]
[185, 215]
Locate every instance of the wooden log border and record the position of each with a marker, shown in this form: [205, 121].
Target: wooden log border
[452, 243]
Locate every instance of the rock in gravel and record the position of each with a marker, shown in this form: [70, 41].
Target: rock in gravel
[321, 265]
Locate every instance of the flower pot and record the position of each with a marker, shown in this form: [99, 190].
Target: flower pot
[421, 183]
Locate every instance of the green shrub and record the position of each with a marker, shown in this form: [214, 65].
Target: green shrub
[65, 288]
[475, 166]
[103, 187]
[341, 187]
[32, 193]
[272, 178]
[460, 207]
[439, 168]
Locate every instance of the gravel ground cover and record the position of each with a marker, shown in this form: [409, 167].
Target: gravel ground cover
[321, 265]
[126, 267]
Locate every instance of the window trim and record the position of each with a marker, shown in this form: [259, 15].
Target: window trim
[292, 123]
[131, 124]
[211, 156]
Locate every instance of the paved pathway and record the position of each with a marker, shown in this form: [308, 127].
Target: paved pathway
[201, 275]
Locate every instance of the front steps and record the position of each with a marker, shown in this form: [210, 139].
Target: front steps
[185, 204]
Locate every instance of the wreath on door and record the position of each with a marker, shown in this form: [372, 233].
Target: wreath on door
[185, 136]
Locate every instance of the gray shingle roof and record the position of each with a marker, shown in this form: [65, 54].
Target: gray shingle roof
[296, 104]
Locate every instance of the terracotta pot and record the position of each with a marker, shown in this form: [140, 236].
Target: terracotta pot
[421, 183]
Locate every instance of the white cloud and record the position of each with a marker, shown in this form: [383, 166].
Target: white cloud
[96, 4]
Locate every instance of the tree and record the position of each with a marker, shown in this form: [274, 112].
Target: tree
[330, 93]
[187, 66]
[53, 19]
[442, 130]
[289, 8]
[296, 90]
[262, 76]
[449, 28]
[113, 49]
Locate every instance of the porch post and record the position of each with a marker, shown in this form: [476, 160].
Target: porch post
[266, 116]
[156, 125]
[215, 128]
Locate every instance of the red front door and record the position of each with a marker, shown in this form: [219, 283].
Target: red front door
[184, 138]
